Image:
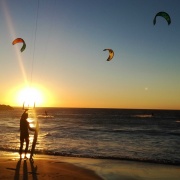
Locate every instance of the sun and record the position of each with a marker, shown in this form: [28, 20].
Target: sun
[29, 96]
[36, 94]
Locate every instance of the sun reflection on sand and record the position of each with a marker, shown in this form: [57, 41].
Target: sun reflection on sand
[27, 155]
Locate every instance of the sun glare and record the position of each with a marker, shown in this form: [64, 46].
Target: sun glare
[30, 96]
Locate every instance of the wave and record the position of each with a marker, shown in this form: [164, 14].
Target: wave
[174, 133]
[44, 116]
[47, 134]
[136, 131]
[66, 154]
[143, 115]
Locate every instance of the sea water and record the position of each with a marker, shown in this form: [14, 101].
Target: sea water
[127, 134]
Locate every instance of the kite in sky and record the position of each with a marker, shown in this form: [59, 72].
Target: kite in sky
[20, 40]
[111, 54]
[164, 15]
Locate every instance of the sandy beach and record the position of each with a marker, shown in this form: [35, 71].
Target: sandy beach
[57, 167]
[11, 167]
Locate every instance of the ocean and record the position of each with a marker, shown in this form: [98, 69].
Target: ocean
[122, 134]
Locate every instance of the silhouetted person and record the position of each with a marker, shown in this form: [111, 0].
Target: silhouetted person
[24, 132]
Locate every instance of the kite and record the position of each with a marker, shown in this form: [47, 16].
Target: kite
[20, 40]
[164, 15]
[111, 54]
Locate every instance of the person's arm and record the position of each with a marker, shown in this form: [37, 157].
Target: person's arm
[30, 128]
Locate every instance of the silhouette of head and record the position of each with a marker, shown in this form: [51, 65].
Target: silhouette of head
[24, 115]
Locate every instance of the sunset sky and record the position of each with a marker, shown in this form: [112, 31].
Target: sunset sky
[64, 61]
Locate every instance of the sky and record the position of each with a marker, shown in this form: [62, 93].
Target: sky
[64, 59]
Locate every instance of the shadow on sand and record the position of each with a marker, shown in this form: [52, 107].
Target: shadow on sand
[25, 170]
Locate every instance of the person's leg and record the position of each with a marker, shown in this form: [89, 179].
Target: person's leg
[21, 145]
[27, 145]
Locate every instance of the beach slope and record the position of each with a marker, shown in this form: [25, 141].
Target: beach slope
[44, 169]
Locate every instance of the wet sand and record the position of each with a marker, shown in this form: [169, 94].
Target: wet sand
[59, 167]
[42, 168]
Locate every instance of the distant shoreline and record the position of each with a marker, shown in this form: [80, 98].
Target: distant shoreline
[105, 108]
[5, 107]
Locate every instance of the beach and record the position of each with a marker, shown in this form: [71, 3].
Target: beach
[11, 167]
[46, 167]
